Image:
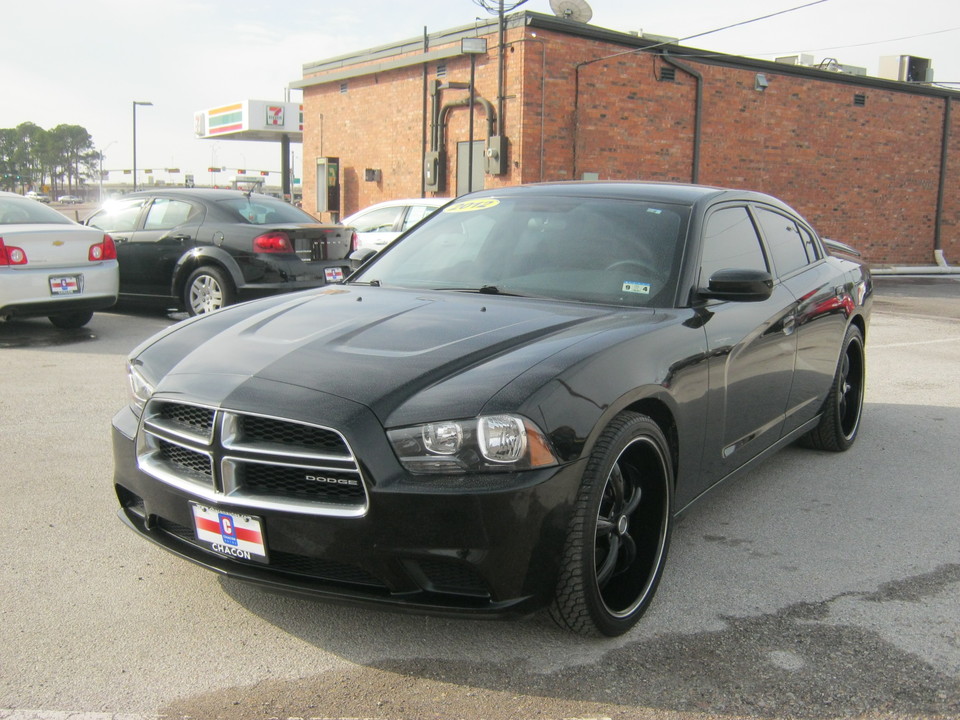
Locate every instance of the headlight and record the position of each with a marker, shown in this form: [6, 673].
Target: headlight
[492, 443]
[140, 388]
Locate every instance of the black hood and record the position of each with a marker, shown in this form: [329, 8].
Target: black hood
[375, 346]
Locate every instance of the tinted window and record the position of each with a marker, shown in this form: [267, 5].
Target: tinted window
[788, 246]
[118, 216]
[264, 210]
[730, 241]
[602, 250]
[165, 214]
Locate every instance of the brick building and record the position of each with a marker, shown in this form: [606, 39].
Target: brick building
[872, 162]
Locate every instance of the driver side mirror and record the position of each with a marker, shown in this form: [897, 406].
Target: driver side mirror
[360, 257]
[739, 285]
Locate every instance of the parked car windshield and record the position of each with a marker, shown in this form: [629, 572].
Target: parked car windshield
[597, 250]
[265, 210]
[15, 211]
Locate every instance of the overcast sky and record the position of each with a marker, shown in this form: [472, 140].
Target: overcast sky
[83, 63]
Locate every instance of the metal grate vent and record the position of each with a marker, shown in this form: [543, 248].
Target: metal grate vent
[860, 99]
[668, 74]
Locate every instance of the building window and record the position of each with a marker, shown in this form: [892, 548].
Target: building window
[343, 88]
[860, 99]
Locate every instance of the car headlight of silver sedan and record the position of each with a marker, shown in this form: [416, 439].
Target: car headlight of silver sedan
[490, 443]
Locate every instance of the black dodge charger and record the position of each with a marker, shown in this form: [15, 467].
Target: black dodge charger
[503, 411]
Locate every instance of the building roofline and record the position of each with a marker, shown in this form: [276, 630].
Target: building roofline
[405, 53]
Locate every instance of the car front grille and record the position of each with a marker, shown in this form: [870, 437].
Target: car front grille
[250, 460]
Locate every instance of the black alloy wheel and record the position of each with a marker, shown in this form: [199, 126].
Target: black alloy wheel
[618, 538]
[843, 409]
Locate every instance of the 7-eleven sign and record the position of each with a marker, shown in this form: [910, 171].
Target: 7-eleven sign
[275, 115]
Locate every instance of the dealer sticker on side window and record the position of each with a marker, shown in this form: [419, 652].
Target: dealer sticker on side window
[230, 534]
[641, 288]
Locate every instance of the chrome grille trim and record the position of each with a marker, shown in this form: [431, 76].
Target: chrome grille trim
[212, 466]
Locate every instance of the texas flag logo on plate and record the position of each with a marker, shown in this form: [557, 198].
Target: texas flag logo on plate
[231, 534]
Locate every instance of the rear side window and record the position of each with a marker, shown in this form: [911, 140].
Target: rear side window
[730, 241]
[379, 220]
[165, 214]
[415, 214]
[791, 247]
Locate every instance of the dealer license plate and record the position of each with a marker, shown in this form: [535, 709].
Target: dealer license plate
[230, 534]
[66, 284]
[333, 274]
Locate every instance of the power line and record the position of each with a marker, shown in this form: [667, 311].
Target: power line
[872, 42]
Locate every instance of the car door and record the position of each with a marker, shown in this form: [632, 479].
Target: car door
[751, 347]
[120, 219]
[169, 229]
[821, 316]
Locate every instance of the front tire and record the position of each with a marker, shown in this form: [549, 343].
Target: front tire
[618, 538]
[207, 289]
[843, 409]
[71, 321]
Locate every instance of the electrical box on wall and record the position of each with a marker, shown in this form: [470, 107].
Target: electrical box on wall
[496, 155]
[432, 179]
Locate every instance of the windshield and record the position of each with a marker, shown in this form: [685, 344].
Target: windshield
[17, 211]
[596, 250]
[265, 210]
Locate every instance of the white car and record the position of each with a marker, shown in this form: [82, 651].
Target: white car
[52, 267]
[379, 225]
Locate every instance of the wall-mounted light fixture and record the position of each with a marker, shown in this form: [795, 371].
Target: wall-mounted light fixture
[760, 82]
[372, 175]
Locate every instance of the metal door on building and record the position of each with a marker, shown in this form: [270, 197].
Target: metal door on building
[463, 167]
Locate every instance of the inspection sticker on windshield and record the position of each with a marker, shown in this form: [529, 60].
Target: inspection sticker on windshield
[231, 534]
[641, 288]
[472, 205]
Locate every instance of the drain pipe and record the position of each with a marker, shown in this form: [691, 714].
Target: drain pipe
[942, 187]
[698, 112]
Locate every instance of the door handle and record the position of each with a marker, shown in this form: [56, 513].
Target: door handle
[789, 324]
[120, 238]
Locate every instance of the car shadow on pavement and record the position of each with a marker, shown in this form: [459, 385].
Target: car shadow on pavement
[817, 585]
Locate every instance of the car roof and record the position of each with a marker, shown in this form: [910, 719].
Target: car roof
[682, 193]
[199, 193]
[432, 201]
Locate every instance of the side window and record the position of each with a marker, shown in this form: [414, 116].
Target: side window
[730, 241]
[789, 248]
[415, 214]
[813, 250]
[165, 214]
[378, 220]
[120, 216]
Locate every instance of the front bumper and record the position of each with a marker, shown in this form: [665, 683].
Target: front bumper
[489, 546]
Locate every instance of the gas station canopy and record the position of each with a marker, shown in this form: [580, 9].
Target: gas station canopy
[257, 120]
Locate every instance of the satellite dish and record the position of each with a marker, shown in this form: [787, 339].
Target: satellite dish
[576, 10]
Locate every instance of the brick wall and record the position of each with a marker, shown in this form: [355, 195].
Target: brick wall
[866, 174]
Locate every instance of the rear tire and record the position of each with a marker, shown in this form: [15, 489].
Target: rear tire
[618, 537]
[207, 289]
[843, 409]
[71, 321]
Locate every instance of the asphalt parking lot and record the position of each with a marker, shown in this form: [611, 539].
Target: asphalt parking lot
[817, 586]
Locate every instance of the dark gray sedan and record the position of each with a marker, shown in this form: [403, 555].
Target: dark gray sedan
[203, 249]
